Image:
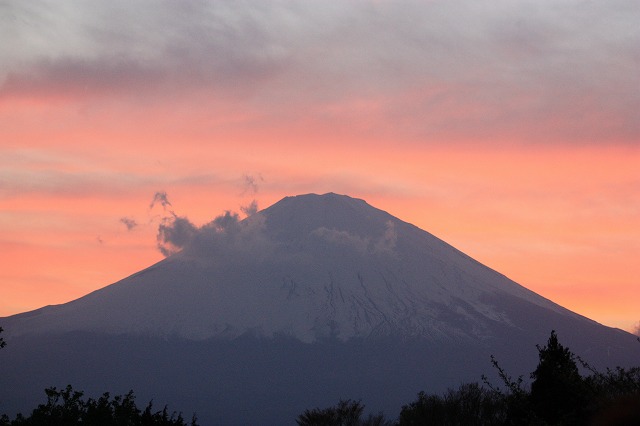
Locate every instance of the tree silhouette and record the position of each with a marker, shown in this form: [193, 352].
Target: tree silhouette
[469, 405]
[2, 342]
[558, 395]
[345, 413]
[68, 407]
[558, 392]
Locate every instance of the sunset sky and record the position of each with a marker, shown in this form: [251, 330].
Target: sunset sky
[509, 129]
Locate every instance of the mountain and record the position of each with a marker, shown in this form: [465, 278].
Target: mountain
[308, 267]
[315, 298]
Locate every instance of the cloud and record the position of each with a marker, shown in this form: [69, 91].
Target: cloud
[226, 222]
[161, 198]
[342, 238]
[103, 48]
[129, 223]
[22, 174]
[174, 233]
[533, 70]
[384, 245]
[250, 209]
[79, 77]
[387, 243]
[250, 183]
[226, 236]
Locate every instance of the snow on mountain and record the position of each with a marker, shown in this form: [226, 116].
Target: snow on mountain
[309, 267]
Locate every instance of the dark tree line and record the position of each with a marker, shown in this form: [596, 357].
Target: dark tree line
[2, 342]
[558, 395]
[69, 408]
[345, 413]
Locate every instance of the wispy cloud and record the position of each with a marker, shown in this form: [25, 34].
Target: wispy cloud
[342, 238]
[383, 245]
[250, 209]
[160, 198]
[387, 243]
[129, 223]
[251, 182]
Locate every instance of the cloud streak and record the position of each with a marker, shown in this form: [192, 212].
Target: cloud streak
[384, 245]
[342, 238]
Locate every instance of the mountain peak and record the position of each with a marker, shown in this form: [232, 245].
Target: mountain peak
[321, 204]
[296, 216]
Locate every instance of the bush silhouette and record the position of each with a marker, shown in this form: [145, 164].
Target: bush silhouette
[68, 407]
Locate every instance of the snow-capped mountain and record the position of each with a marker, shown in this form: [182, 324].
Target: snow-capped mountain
[308, 267]
[315, 298]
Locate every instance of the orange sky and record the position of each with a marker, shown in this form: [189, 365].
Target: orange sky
[511, 132]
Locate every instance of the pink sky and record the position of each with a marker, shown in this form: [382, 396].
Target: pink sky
[509, 129]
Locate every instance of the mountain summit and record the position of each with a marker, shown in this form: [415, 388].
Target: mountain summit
[316, 298]
[309, 267]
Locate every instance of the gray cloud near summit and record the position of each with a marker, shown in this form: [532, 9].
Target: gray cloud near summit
[342, 238]
[250, 209]
[385, 244]
[174, 234]
[224, 236]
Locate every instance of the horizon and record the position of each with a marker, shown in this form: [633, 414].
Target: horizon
[510, 132]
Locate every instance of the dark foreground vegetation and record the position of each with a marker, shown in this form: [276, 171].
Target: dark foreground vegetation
[67, 407]
[558, 395]
[564, 390]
